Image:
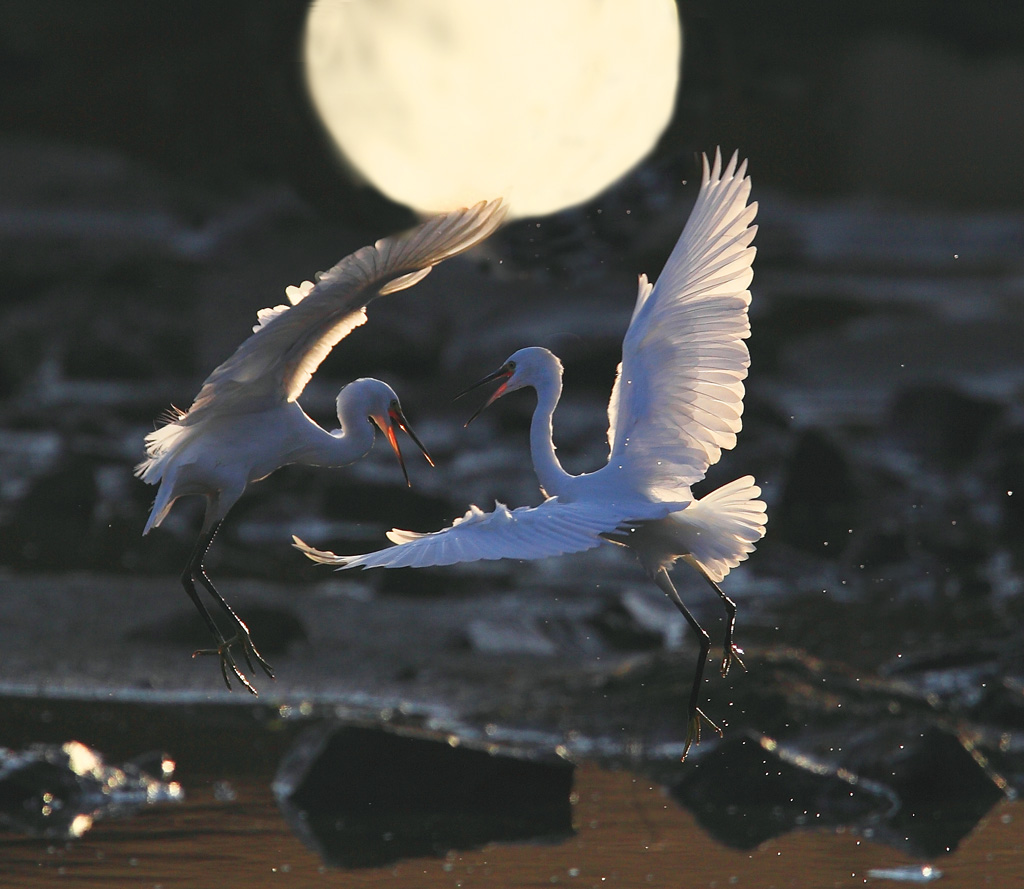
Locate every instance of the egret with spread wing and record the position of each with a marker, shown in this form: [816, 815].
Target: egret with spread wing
[246, 422]
[675, 406]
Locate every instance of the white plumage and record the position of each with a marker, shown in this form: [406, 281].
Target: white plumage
[676, 405]
[246, 422]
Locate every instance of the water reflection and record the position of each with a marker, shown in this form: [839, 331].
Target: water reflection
[628, 835]
[271, 784]
[361, 796]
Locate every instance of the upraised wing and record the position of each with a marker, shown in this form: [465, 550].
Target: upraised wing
[290, 341]
[529, 532]
[678, 397]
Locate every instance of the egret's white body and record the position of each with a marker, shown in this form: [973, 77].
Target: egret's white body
[676, 405]
[246, 421]
[221, 455]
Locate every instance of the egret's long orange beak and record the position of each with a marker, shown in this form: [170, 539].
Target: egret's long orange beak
[502, 373]
[395, 417]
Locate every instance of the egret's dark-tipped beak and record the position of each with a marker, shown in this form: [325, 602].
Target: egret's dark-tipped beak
[387, 427]
[398, 418]
[502, 373]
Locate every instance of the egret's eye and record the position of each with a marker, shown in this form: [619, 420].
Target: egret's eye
[511, 365]
[394, 405]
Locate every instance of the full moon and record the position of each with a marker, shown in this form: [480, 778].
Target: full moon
[441, 103]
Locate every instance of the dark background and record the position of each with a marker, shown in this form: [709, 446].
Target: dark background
[162, 178]
[909, 99]
[129, 131]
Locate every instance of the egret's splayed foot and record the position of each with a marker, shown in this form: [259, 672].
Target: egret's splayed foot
[249, 648]
[693, 730]
[227, 660]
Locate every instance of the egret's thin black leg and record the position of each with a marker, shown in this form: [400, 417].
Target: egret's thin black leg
[730, 652]
[199, 571]
[195, 570]
[694, 714]
[202, 545]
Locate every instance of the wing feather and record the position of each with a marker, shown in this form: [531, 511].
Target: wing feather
[677, 401]
[289, 342]
[529, 532]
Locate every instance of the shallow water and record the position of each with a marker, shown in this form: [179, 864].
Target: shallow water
[628, 834]
[230, 830]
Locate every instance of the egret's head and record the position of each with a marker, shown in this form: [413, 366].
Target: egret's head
[523, 368]
[378, 402]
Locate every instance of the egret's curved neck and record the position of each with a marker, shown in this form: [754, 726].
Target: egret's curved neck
[549, 471]
[352, 441]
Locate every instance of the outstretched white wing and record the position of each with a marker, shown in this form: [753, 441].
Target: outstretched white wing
[529, 532]
[290, 341]
[678, 397]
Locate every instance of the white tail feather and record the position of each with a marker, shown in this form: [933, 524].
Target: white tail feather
[723, 527]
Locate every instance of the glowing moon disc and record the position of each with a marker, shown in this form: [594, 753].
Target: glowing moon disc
[441, 103]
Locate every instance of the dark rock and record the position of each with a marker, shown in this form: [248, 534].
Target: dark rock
[906, 783]
[367, 796]
[750, 789]
[943, 784]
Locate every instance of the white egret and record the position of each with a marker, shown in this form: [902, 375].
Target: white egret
[246, 422]
[676, 404]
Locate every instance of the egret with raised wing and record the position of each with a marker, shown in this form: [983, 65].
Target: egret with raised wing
[246, 421]
[675, 406]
